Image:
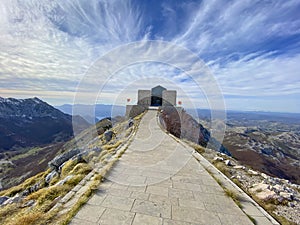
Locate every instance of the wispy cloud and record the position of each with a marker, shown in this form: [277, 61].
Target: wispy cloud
[225, 27]
[48, 45]
[252, 47]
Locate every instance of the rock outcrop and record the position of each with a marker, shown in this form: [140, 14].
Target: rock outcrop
[59, 160]
[284, 195]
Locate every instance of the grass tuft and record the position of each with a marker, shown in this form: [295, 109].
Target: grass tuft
[68, 167]
[75, 180]
[81, 169]
[252, 219]
[28, 219]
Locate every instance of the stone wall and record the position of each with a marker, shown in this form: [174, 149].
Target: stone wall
[169, 98]
[134, 110]
[144, 97]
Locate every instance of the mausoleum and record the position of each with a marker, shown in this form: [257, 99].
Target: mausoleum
[156, 97]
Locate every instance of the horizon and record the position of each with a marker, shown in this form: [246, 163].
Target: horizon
[251, 50]
[124, 105]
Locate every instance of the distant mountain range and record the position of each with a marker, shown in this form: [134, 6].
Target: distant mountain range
[99, 111]
[32, 122]
[266, 141]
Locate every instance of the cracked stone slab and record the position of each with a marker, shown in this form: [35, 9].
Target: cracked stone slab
[90, 213]
[195, 215]
[141, 219]
[116, 217]
[117, 202]
[152, 208]
[157, 190]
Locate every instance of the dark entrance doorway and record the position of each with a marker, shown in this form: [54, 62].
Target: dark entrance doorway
[156, 95]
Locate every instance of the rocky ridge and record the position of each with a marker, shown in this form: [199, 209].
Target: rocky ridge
[33, 122]
[280, 197]
[268, 146]
[68, 173]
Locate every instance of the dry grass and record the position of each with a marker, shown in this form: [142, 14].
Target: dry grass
[237, 182]
[270, 207]
[112, 147]
[75, 180]
[219, 181]
[68, 167]
[66, 218]
[198, 148]
[21, 187]
[231, 194]
[28, 219]
[8, 211]
[81, 168]
[82, 200]
[54, 180]
[282, 220]
[252, 219]
[49, 194]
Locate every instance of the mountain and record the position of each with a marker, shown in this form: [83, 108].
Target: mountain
[33, 122]
[267, 141]
[101, 111]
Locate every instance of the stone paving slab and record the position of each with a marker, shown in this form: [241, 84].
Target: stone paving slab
[140, 219]
[116, 217]
[90, 213]
[157, 181]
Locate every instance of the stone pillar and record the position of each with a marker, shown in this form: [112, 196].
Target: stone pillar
[144, 97]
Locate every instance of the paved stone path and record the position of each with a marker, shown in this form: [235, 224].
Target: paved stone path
[157, 181]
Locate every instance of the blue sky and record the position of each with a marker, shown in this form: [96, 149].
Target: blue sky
[252, 48]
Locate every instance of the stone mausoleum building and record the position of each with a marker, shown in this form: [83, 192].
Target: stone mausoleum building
[157, 97]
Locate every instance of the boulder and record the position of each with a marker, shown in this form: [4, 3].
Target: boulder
[252, 172]
[12, 200]
[31, 189]
[228, 163]
[79, 157]
[291, 204]
[108, 135]
[286, 195]
[28, 204]
[3, 199]
[266, 195]
[277, 188]
[239, 167]
[130, 122]
[218, 158]
[50, 176]
[259, 188]
[59, 160]
[265, 176]
[97, 149]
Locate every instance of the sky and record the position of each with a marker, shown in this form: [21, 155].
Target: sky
[250, 48]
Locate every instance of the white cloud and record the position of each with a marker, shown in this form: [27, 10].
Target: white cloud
[47, 46]
[261, 76]
[223, 26]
